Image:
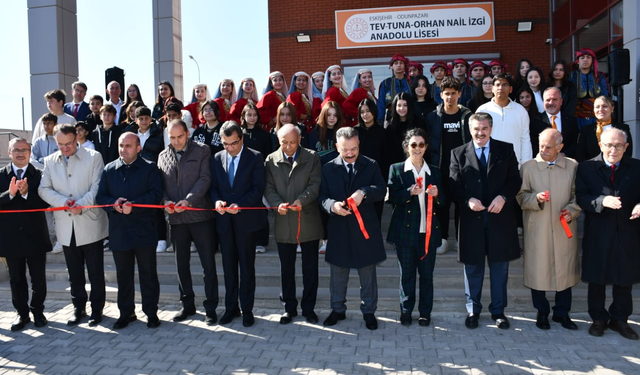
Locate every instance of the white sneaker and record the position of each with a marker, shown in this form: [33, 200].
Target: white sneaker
[323, 248]
[298, 249]
[162, 246]
[193, 248]
[260, 249]
[454, 245]
[170, 249]
[105, 245]
[443, 248]
[57, 249]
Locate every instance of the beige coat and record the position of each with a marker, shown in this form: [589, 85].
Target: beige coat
[551, 260]
[78, 181]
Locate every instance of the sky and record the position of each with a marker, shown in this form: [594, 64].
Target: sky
[228, 41]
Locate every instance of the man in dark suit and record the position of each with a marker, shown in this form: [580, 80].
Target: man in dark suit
[78, 108]
[132, 231]
[484, 180]
[25, 238]
[351, 176]
[238, 180]
[567, 125]
[608, 191]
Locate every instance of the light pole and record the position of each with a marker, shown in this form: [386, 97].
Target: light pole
[194, 60]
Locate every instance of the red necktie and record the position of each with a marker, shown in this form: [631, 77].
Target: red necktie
[75, 111]
[613, 171]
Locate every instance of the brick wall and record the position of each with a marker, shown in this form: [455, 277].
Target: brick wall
[286, 20]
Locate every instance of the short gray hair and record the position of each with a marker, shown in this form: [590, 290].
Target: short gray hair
[13, 141]
[615, 130]
[286, 129]
[481, 116]
[552, 88]
[557, 136]
[347, 133]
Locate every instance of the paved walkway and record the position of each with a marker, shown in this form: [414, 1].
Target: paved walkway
[191, 347]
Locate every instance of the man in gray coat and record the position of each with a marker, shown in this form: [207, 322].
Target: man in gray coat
[293, 183]
[186, 178]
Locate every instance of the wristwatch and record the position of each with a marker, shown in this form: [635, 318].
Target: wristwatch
[364, 194]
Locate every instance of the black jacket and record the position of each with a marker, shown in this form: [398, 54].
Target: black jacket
[106, 142]
[154, 144]
[140, 183]
[23, 234]
[569, 133]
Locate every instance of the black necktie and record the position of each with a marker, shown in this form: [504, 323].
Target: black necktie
[350, 167]
[291, 159]
[483, 159]
[20, 173]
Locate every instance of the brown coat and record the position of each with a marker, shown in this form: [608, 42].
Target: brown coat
[551, 260]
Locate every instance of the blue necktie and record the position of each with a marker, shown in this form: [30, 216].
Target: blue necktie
[483, 159]
[232, 170]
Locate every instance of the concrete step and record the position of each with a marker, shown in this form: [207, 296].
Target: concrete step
[269, 276]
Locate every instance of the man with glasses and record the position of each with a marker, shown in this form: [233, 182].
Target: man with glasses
[25, 239]
[186, 178]
[608, 191]
[510, 119]
[78, 108]
[70, 179]
[449, 125]
[350, 186]
[238, 181]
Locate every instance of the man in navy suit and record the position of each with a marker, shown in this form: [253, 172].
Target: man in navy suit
[484, 180]
[238, 180]
[352, 176]
[78, 108]
[566, 124]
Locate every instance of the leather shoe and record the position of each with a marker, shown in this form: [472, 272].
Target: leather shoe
[597, 328]
[287, 317]
[211, 318]
[153, 322]
[311, 317]
[501, 321]
[405, 319]
[565, 322]
[471, 321]
[19, 322]
[77, 316]
[39, 320]
[370, 321]
[542, 321]
[248, 320]
[228, 316]
[623, 329]
[124, 321]
[184, 313]
[424, 320]
[95, 319]
[334, 318]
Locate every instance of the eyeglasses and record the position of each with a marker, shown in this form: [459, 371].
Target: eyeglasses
[617, 146]
[20, 150]
[419, 145]
[232, 144]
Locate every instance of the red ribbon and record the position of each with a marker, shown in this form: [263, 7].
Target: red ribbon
[427, 236]
[565, 225]
[546, 195]
[419, 182]
[354, 208]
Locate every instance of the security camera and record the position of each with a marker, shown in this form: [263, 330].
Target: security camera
[548, 41]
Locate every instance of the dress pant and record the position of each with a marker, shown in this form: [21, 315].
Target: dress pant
[19, 287]
[125, 261]
[287, 254]
[205, 237]
[562, 305]
[409, 261]
[473, 280]
[621, 307]
[368, 288]
[238, 250]
[93, 256]
[262, 236]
